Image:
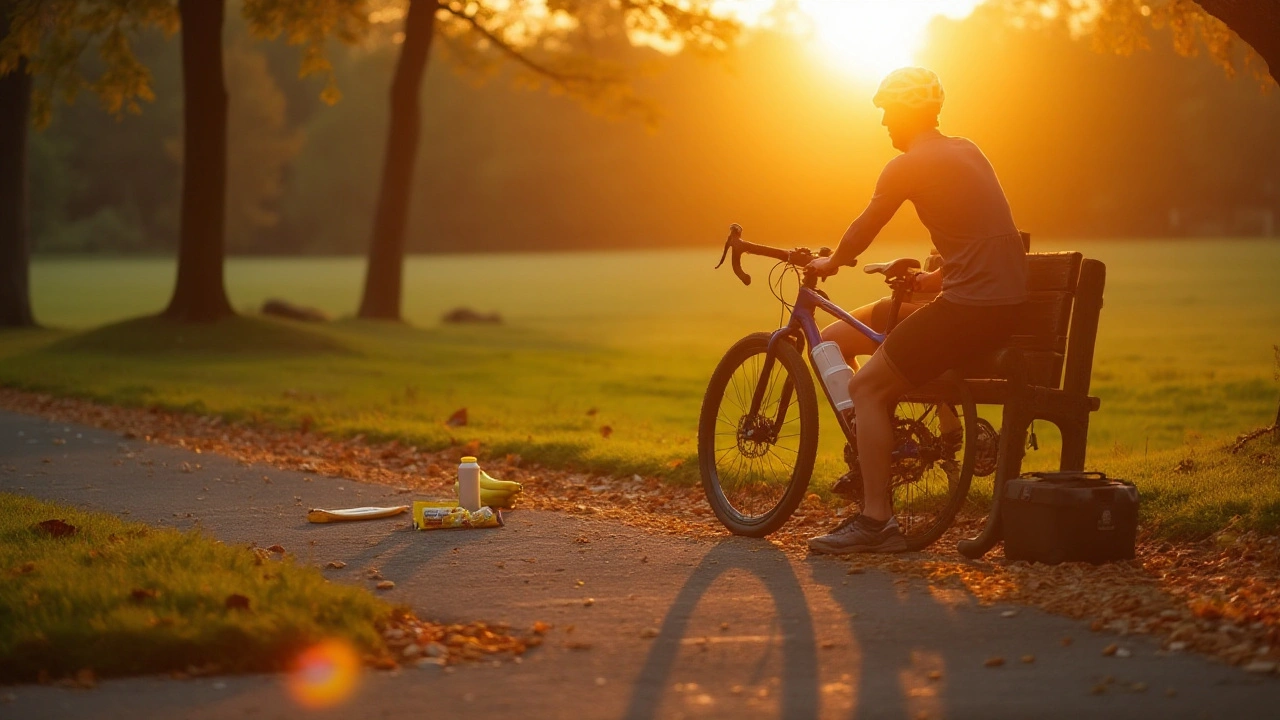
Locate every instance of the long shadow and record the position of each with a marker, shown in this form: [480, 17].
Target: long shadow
[799, 692]
[240, 336]
[879, 688]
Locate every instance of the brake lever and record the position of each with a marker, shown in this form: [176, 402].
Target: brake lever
[735, 234]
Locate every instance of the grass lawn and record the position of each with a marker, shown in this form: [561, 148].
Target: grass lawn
[122, 598]
[628, 340]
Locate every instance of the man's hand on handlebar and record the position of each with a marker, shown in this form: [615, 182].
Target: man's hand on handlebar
[823, 267]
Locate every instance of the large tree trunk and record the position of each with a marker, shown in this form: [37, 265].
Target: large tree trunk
[384, 276]
[200, 295]
[1257, 22]
[15, 249]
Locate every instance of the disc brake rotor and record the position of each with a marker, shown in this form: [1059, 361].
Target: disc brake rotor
[754, 436]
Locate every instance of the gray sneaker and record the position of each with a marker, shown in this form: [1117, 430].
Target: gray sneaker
[858, 535]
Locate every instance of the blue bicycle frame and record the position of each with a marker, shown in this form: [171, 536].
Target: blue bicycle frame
[802, 329]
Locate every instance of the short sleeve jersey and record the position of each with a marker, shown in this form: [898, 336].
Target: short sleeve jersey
[958, 198]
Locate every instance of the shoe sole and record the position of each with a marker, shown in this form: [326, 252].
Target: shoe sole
[895, 544]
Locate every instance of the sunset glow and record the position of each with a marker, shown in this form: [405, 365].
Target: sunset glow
[868, 38]
[864, 39]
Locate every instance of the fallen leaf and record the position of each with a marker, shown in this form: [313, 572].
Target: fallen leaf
[276, 549]
[385, 585]
[577, 645]
[336, 564]
[541, 628]
[673, 464]
[236, 601]
[139, 595]
[605, 431]
[591, 412]
[1110, 650]
[649, 633]
[935, 675]
[55, 528]
[588, 602]
[458, 418]
[1028, 659]
[994, 662]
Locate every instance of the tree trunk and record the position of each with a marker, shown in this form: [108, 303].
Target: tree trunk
[384, 276]
[1257, 22]
[200, 294]
[15, 248]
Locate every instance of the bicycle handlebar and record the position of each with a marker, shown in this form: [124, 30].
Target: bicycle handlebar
[800, 257]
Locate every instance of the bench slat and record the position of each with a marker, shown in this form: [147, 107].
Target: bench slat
[1053, 271]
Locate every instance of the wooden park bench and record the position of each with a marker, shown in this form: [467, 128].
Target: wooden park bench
[1043, 373]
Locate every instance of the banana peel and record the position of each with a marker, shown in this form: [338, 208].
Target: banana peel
[318, 515]
[497, 493]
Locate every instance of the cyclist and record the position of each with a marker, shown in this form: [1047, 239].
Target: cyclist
[983, 280]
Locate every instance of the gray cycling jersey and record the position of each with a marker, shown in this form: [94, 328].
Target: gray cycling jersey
[958, 198]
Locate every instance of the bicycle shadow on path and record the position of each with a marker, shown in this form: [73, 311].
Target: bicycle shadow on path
[798, 696]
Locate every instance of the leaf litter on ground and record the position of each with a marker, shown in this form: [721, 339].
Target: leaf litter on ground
[1220, 596]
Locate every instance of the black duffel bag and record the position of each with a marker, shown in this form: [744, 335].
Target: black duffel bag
[1079, 516]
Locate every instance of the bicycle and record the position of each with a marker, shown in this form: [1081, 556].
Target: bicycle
[758, 426]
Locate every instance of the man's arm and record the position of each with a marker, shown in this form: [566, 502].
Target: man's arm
[889, 196]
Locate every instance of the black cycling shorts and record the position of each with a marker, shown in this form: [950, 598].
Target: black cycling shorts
[943, 335]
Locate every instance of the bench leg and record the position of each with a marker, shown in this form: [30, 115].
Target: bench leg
[1075, 438]
[1013, 441]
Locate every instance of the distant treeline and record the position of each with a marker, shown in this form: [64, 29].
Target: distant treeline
[1086, 144]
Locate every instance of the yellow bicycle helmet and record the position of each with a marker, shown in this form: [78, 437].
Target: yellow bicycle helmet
[910, 87]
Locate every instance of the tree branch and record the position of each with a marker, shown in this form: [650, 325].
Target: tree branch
[563, 79]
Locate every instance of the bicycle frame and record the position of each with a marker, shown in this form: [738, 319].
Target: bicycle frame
[803, 327]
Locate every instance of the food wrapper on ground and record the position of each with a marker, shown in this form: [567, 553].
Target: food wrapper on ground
[428, 515]
[316, 515]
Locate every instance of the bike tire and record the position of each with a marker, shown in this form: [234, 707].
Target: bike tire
[922, 525]
[752, 490]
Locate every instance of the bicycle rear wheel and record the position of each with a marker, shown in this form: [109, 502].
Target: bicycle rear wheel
[756, 466]
[935, 436]
[935, 433]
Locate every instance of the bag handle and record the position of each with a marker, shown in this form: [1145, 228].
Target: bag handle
[1072, 474]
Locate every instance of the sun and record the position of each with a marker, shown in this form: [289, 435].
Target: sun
[868, 38]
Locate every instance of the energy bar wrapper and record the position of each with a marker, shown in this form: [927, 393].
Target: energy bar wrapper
[428, 515]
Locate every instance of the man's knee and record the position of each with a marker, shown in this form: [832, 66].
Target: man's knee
[876, 383]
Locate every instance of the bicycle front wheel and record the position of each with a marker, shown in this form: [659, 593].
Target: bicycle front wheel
[756, 465]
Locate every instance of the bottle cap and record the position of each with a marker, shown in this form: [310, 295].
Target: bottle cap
[468, 459]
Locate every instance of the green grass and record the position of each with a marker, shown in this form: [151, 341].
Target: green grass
[67, 603]
[1184, 349]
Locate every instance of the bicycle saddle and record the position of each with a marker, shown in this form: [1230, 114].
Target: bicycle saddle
[897, 268]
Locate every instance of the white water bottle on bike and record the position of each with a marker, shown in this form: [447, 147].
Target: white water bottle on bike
[835, 373]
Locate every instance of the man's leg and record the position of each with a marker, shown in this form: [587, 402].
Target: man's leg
[875, 390]
[875, 316]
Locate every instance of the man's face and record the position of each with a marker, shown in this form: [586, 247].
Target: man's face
[904, 124]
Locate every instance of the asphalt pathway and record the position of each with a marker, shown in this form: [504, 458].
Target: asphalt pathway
[742, 630]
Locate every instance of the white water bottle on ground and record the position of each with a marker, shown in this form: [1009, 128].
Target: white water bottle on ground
[835, 373]
[469, 484]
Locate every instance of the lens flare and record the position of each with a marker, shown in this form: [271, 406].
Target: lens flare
[324, 675]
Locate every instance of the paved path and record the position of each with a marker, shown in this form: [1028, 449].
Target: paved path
[743, 630]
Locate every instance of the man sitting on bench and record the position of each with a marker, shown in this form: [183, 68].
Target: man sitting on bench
[983, 280]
